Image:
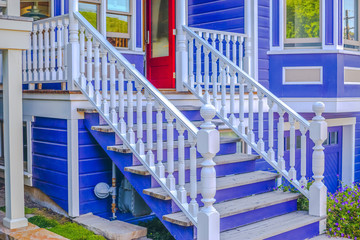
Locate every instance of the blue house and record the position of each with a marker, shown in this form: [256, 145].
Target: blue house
[193, 111]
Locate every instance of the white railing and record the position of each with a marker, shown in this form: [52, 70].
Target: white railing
[231, 45]
[133, 95]
[46, 60]
[226, 75]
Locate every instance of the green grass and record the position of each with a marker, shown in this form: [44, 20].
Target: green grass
[156, 230]
[27, 210]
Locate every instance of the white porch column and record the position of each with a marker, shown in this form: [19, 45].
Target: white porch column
[13, 149]
[73, 49]
[181, 51]
[13, 8]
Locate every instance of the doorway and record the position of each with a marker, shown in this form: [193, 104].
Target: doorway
[160, 39]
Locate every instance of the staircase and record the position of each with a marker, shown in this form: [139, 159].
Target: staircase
[180, 159]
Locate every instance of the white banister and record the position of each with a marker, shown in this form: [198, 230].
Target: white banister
[208, 147]
[318, 134]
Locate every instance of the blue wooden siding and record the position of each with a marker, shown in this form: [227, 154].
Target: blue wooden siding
[49, 147]
[94, 167]
[333, 75]
[224, 15]
[263, 41]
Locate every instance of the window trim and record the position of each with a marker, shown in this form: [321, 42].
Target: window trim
[303, 40]
[347, 41]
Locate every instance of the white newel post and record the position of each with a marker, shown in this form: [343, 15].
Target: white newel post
[73, 51]
[181, 46]
[208, 145]
[318, 134]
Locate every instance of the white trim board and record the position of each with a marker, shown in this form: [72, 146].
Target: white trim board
[332, 105]
[284, 82]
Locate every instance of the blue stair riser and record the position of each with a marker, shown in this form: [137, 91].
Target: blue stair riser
[237, 192]
[256, 215]
[302, 233]
[221, 170]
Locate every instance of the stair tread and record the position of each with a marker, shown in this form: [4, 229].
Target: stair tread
[221, 183]
[219, 160]
[237, 206]
[108, 129]
[123, 149]
[271, 227]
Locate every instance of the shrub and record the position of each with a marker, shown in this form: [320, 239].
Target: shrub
[43, 222]
[344, 213]
[74, 231]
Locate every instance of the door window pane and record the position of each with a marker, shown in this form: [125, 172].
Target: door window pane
[159, 28]
[118, 5]
[89, 12]
[351, 20]
[302, 18]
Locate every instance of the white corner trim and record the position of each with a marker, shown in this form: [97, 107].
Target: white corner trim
[348, 155]
[304, 82]
[29, 152]
[73, 167]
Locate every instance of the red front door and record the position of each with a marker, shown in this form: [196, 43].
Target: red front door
[160, 48]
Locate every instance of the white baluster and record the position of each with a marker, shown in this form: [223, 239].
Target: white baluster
[233, 39]
[97, 96]
[191, 62]
[35, 55]
[232, 117]
[104, 67]
[208, 146]
[318, 134]
[260, 143]
[170, 180]
[139, 120]
[227, 42]
[122, 123]
[241, 106]
[193, 205]
[223, 74]
[29, 63]
[160, 169]
[292, 171]
[65, 42]
[206, 75]
[198, 69]
[241, 53]
[221, 43]
[149, 130]
[24, 77]
[59, 50]
[113, 114]
[303, 181]
[82, 58]
[130, 112]
[251, 135]
[215, 81]
[89, 65]
[181, 193]
[53, 50]
[47, 51]
[281, 161]
[271, 152]
[41, 52]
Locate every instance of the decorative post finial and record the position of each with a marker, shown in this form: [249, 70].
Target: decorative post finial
[318, 134]
[208, 147]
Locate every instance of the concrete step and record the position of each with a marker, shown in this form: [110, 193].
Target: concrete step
[112, 230]
[236, 210]
[296, 225]
[219, 160]
[222, 183]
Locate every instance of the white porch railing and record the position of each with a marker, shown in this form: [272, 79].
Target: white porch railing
[227, 75]
[46, 60]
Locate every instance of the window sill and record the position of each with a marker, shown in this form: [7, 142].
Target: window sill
[311, 51]
[127, 51]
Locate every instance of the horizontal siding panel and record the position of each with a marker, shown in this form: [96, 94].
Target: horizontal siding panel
[91, 151]
[50, 135]
[99, 206]
[50, 176]
[94, 165]
[51, 189]
[50, 149]
[50, 123]
[91, 179]
[51, 163]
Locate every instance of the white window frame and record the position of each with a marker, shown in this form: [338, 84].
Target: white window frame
[303, 40]
[346, 41]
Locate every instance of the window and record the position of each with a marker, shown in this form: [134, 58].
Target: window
[118, 16]
[90, 11]
[302, 23]
[351, 24]
[37, 10]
